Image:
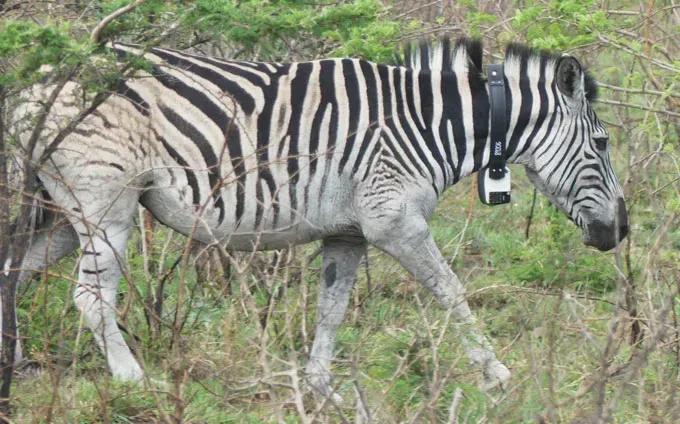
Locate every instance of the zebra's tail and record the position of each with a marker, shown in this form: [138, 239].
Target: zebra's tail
[39, 199]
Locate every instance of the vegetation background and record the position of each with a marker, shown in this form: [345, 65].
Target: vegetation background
[589, 336]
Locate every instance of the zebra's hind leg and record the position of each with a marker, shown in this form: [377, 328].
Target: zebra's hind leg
[412, 244]
[103, 258]
[341, 258]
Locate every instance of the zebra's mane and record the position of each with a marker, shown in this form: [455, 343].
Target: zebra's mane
[465, 55]
[517, 54]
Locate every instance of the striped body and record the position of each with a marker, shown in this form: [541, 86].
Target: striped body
[266, 155]
[272, 154]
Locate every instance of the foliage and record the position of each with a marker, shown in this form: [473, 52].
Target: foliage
[562, 24]
[359, 28]
[32, 45]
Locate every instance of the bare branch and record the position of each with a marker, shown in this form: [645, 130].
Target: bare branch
[641, 107]
[94, 38]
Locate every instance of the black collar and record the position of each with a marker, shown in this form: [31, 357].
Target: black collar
[498, 121]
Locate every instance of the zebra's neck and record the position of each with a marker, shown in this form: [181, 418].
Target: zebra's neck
[452, 114]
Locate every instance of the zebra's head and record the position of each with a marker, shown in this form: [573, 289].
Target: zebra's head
[569, 163]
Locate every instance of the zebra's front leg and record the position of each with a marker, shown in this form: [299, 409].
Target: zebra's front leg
[412, 244]
[100, 269]
[341, 258]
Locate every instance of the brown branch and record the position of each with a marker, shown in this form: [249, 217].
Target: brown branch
[530, 217]
[634, 106]
[636, 91]
[8, 283]
[94, 38]
[652, 60]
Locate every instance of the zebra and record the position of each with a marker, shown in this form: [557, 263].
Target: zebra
[268, 155]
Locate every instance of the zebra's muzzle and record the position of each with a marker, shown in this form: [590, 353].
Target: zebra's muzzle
[601, 236]
[606, 236]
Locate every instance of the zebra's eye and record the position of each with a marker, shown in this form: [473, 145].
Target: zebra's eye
[601, 142]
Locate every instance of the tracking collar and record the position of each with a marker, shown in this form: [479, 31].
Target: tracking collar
[493, 181]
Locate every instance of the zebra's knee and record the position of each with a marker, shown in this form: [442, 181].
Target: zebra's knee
[84, 297]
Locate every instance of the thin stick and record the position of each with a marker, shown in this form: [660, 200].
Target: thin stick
[530, 217]
[637, 91]
[94, 38]
[641, 107]
[455, 403]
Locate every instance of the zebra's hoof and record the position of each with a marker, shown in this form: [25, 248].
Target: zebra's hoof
[494, 375]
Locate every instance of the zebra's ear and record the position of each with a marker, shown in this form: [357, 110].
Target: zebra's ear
[569, 76]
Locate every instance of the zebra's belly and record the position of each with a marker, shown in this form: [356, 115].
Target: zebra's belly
[304, 229]
[271, 240]
[266, 238]
[248, 233]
